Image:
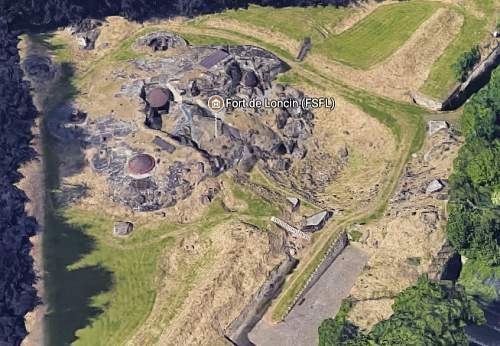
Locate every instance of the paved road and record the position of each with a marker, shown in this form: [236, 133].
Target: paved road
[300, 328]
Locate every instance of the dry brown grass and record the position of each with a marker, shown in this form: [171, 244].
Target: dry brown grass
[401, 234]
[205, 283]
[407, 69]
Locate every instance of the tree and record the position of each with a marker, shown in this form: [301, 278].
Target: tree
[466, 63]
[425, 314]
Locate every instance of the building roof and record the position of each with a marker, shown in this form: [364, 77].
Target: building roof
[214, 58]
[141, 164]
[158, 97]
[317, 219]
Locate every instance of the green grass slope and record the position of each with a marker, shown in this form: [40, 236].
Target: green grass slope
[378, 35]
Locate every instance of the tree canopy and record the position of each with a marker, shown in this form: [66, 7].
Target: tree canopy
[425, 314]
[474, 210]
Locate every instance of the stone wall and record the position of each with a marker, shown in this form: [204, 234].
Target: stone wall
[477, 79]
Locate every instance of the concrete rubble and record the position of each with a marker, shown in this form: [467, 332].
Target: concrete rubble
[122, 228]
[86, 32]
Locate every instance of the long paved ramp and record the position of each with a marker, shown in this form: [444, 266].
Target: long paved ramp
[300, 327]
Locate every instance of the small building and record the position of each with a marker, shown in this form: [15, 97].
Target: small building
[316, 222]
[214, 58]
[140, 166]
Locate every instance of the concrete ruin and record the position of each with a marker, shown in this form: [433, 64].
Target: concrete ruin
[38, 69]
[434, 126]
[187, 143]
[316, 222]
[86, 32]
[304, 49]
[122, 228]
[160, 41]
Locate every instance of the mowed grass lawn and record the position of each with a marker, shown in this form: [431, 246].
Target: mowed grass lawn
[294, 22]
[475, 27]
[378, 35]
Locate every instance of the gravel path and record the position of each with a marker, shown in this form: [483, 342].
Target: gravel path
[300, 328]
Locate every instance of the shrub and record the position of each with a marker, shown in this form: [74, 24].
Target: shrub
[466, 63]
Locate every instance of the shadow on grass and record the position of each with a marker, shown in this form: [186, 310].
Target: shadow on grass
[68, 292]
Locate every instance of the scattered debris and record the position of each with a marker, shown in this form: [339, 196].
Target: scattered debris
[164, 145]
[434, 126]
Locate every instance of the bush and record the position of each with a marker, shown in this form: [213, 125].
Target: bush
[474, 213]
[466, 63]
[425, 314]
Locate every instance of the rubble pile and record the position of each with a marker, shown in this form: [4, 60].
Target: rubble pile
[191, 142]
[162, 40]
[17, 115]
[86, 32]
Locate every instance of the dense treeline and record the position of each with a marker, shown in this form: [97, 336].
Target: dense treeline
[29, 14]
[17, 114]
[425, 314]
[474, 208]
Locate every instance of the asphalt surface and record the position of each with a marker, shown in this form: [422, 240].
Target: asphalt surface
[300, 328]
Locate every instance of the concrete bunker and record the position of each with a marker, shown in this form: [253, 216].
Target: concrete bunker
[140, 166]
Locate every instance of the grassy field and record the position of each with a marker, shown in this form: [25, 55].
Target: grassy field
[378, 35]
[294, 22]
[368, 42]
[132, 292]
[475, 28]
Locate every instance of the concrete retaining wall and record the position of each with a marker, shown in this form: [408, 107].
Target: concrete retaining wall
[238, 330]
[477, 79]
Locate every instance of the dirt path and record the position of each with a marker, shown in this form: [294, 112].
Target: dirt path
[300, 328]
